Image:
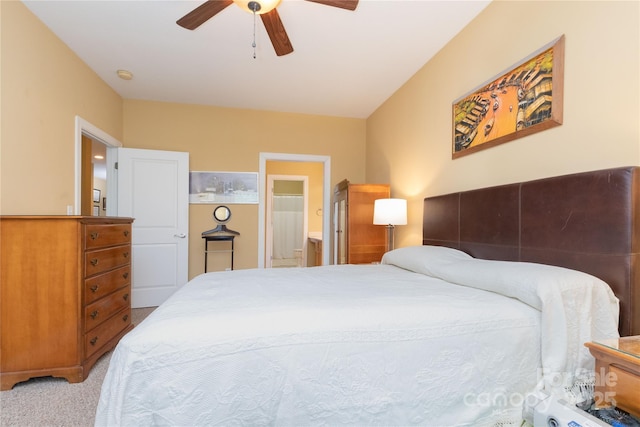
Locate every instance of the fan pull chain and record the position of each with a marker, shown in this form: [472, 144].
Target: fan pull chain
[254, 6]
[254, 35]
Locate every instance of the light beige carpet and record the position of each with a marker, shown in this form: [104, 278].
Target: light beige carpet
[53, 401]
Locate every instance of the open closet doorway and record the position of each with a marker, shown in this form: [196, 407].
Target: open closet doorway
[318, 170]
[287, 221]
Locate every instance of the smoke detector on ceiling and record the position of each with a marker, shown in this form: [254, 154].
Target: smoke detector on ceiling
[124, 74]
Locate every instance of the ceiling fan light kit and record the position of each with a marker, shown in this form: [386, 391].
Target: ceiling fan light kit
[260, 7]
[267, 9]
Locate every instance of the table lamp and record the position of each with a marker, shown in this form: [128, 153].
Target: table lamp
[390, 212]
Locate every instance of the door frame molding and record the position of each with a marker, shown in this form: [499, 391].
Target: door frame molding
[83, 127]
[326, 198]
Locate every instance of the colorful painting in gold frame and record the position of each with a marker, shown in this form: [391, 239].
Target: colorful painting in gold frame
[526, 99]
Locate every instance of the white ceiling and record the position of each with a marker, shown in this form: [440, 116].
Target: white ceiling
[345, 63]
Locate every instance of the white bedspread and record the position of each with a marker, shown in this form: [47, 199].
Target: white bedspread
[575, 307]
[335, 345]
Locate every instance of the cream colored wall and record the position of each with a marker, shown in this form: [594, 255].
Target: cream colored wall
[47, 85]
[223, 139]
[408, 139]
[409, 136]
[44, 86]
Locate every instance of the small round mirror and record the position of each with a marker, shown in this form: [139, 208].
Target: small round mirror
[222, 214]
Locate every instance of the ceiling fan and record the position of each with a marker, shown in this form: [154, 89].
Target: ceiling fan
[267, 11]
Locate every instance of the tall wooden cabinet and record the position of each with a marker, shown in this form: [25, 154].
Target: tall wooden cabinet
[357, 240]
[65, 289]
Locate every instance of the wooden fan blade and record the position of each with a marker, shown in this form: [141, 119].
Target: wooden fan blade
[277, 33]
[343, 4]
[202, 13]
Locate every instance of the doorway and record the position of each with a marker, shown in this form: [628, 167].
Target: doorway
[89, 138]
[321, 211]
[93, 187]
[287, 224]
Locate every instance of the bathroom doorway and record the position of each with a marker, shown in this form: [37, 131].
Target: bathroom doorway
[318, 169]
[287, 225]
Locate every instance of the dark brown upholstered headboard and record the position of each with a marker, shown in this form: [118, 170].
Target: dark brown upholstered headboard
[587, 221]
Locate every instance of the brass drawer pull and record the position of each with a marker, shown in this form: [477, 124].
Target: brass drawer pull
[125, 317]
[94, 314]
[94, 235]
[93, 341]
[126, 254]
[125, 275]
[126, 233]
[94, 261]
[94, 288]
[125, 297]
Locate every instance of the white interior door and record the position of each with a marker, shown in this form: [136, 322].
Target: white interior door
[153, 188]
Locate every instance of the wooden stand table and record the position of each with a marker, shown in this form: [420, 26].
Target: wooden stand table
[217, 238]
[617, 373]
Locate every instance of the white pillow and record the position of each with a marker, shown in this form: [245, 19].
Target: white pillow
[531, 283]
[424, 259]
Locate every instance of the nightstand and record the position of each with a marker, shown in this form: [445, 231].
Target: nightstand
[617, 373]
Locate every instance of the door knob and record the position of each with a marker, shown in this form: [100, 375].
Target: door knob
[181, 235]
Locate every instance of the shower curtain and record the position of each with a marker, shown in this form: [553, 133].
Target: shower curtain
[288, 223]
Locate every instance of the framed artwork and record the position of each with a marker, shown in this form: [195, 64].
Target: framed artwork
[223, 187]
[104, 203]
[96, 195]
[96, 211]
[523, 100]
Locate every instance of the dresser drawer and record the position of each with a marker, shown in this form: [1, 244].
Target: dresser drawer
[98, 286]
[101, 335]
[106, 259]
[103, 235]
[101, 310]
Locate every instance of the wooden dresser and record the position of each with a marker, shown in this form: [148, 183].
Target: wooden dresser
[65, 286]
[358, 240]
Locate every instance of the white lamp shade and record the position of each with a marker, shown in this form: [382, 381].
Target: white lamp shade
[390, 212]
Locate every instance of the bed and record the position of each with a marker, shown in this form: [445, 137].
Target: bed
[498, 301]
